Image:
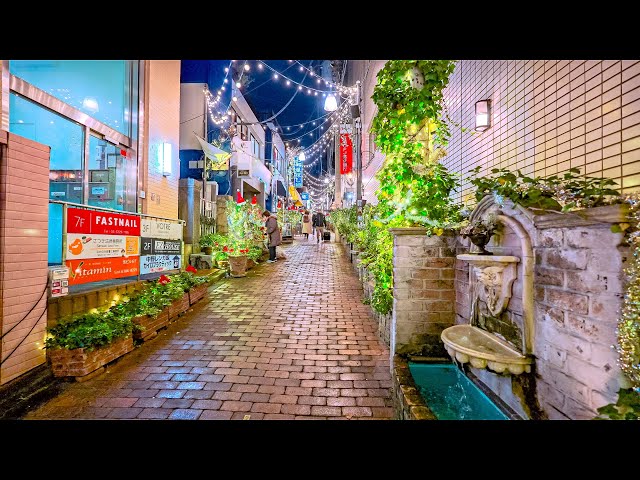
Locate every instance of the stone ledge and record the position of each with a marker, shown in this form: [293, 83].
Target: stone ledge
[589, 216]
[408, 403]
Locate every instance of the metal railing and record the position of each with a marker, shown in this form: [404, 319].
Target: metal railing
[208, 213]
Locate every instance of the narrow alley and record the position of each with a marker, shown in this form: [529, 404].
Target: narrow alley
[291, 340]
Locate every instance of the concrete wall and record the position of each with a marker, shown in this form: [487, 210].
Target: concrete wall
[162, 101]
[24, 204]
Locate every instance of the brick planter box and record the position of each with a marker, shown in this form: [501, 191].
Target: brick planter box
[196, 293]
[179, 306]
[79, 362]
[151, 324]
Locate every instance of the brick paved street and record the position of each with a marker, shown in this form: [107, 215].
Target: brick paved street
[292, 340]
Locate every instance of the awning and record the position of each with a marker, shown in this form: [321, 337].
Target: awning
[295, 196]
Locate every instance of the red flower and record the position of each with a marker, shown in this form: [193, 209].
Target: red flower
[231, 249]
[191, 269]
[163, 280]
[217, 244]
[225, 249]
[262, 228]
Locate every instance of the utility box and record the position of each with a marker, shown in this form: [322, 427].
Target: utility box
[58, 281]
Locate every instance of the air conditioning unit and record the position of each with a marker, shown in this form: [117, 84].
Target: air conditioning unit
[210, 191]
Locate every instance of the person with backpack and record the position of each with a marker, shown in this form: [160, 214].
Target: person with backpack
[319, 223]
[306, 224]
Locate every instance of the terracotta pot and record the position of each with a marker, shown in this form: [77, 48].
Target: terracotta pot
[250, 263]
[238, 266]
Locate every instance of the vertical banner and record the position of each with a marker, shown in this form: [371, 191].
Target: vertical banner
[346, 149]
[297, 172]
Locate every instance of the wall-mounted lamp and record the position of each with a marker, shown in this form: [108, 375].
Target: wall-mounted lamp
[483, 115]
[164, 158]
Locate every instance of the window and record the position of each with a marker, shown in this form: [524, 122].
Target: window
[100, 88]
[112, 176]
[66, 139]
[255, 147]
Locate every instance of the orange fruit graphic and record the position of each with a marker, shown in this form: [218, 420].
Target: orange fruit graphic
[76, 247]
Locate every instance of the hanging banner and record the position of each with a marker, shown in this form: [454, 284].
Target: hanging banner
[102, 223]
[346, 149]
[97, 269]
[101, 246]
[297, 172]
[156, 228]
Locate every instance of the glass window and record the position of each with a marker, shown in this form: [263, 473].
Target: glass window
[255, 147]
[66, 139]
[112, 176]
[100, 88]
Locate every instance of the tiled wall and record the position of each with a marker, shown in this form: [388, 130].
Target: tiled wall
[24, 194]
[163, 107]
[548, 116]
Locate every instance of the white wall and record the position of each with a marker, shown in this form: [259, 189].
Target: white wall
[193, 115]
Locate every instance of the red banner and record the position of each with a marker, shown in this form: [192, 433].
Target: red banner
[96, 269]
[346, 153]
[102, 223]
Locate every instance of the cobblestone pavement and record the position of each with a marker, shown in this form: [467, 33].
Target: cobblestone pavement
[292, 340]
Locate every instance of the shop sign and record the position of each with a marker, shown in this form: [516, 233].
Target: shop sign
[101, 246]
[98, 269]
[160, 246]
[156, 228]
[102, 223]
[151, 265]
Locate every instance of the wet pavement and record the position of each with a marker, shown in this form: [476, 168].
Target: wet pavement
[291, 340]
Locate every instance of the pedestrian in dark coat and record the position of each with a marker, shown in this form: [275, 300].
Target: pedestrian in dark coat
[273, 231]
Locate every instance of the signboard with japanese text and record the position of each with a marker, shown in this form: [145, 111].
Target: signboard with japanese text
[97, 222]
[297, 172]
[97, 269]
[346, 149]
[101, 246]
[157, 228]
[155, 265]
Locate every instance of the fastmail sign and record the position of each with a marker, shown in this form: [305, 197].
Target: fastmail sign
[103, 223]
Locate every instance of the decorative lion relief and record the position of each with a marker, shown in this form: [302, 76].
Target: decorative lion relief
[493, 285]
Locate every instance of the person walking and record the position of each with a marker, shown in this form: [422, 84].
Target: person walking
[306, 224]
[319, 223]
[273, 231]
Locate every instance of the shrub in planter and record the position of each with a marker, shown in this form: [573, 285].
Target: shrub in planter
[84, 343]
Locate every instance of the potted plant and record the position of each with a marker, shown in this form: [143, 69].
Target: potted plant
[480, 231]
[238, 259]
[206, 243]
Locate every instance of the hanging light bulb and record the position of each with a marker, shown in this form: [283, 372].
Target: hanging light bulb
[226, 69]
[302, 157]
[238, 84]
[259, 65]
[235, 99]
[275, 76]
[247, 67]
[330, 103]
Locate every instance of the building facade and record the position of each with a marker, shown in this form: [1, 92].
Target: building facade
[109, 131]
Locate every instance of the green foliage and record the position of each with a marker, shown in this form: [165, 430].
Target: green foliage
[97, 328]
[401, 104]
[415, 189]
[627, 407]
[565, 192]
[90, 330]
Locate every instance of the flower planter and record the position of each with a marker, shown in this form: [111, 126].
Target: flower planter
[179, 306]
[250, 263]
[196, 293]
[238, 266]
[79, 362]
[151, 324]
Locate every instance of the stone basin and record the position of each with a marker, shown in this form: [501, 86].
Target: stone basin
[469, 344]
